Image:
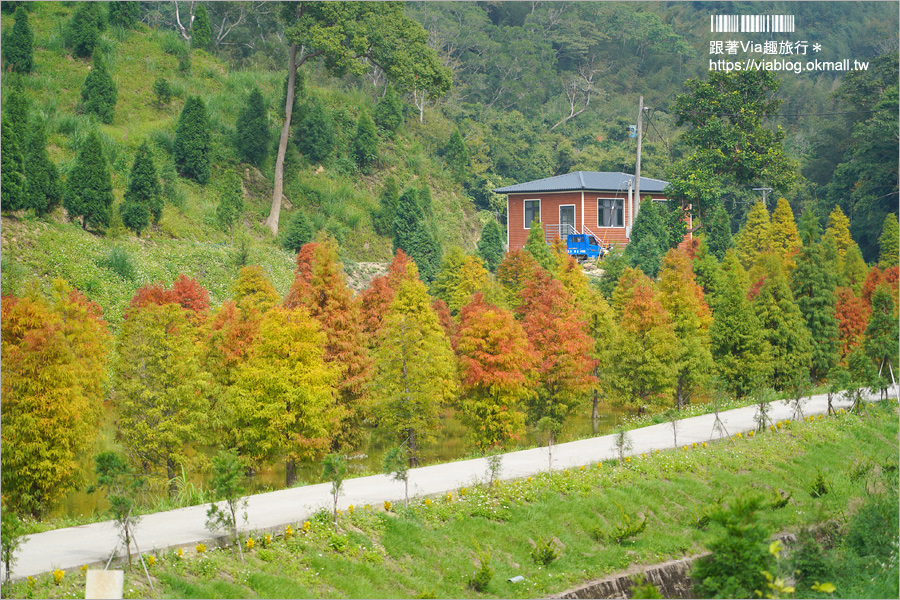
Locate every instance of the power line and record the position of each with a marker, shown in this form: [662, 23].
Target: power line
[829, 114]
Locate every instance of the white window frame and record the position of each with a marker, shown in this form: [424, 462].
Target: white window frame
[574, 216]
[525, 212]
[600, 213]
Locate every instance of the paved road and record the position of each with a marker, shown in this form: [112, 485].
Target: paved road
[90, 544]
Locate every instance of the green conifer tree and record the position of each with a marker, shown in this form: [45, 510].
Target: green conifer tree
[163, 92]
[536, 246]
[124, 14]
[143, 198]
[364, 145]
[299, 233]
[888, 242]
[231, 202]
[89, 186]
[315, 133]
[383, 219]
[490, 246]
[193, 141]
[718, 232]
[741, 352]
[882, 333]
[201, 32]
[12, 173]
[809, 229]
[389, 111]
[16, 108]
[783, 326]
[99, 92]
[456, 154]
[413, 234]
[813, 283]
[44, 186]
[649, 239]
[253, 139]
[83, 30]
[18, 44]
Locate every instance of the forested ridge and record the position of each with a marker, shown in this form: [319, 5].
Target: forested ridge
[162, 300]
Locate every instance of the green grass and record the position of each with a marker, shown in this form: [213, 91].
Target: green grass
[429, 547]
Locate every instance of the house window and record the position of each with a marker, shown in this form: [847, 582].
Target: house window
[532, 212]
[610, 212]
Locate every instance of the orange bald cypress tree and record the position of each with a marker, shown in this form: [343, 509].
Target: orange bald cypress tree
[556, 329]
[375, 300]
[852, 315]
[320, 286]
[495, 360]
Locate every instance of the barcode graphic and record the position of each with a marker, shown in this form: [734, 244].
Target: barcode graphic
[751, 23]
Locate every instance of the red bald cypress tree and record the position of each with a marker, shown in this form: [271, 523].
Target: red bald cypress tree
[556, 329]
[495, 361]
[375, 300]
[852, 315]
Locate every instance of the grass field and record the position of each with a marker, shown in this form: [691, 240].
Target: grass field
[431, 548]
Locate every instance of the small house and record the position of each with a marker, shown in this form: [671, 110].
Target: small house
[585, 202]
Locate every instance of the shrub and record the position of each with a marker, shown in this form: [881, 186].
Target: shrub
[389, 110]
[119, 262]
[739, 553]
[482, 577]
[163, 91]
[544, 551]
[299, 232]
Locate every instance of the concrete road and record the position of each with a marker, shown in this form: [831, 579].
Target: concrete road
[92, 544]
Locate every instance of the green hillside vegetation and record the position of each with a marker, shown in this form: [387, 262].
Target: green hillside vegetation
[830, 481]
[335, 197]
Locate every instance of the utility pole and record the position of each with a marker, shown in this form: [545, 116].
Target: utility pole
[764, 191]
[637, 167]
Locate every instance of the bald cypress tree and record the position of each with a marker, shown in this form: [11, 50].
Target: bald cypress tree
[888, 242]
[813, 284]
[89, 186]
[99, 92]
[193, 141]
[18, 44]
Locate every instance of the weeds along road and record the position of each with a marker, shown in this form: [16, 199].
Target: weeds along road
[72, 547]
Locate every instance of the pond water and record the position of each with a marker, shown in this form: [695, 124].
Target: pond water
[448, 444]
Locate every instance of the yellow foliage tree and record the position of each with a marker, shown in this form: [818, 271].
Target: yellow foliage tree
[285, 392]
[785, 239]
[755, 237]
[54, 364]
[416, 368]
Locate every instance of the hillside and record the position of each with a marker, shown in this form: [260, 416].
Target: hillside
[335, 197]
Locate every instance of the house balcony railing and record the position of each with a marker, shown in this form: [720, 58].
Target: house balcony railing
[562, 231]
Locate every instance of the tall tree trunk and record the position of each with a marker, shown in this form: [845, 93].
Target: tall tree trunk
[275, 211]
[595, 413]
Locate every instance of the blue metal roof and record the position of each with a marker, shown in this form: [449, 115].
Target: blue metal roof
[585, 181]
